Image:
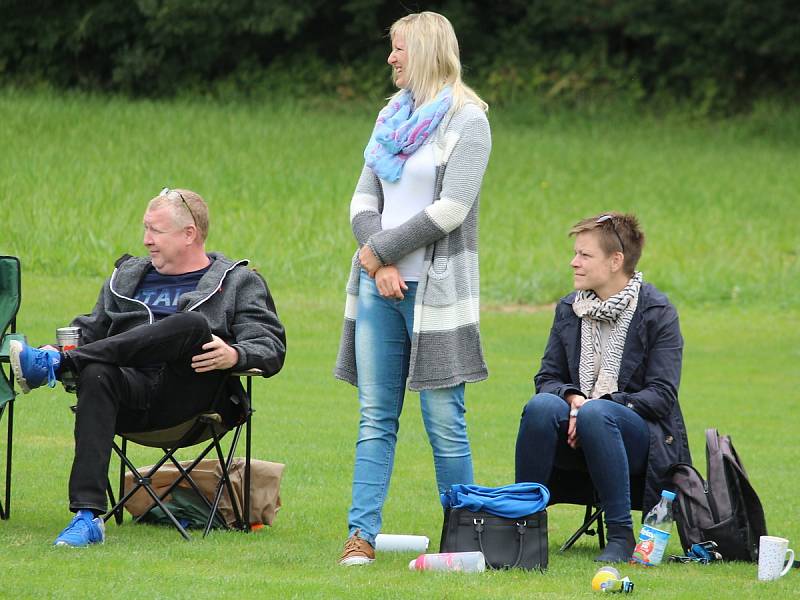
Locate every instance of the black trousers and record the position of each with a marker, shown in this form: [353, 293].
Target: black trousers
[138, 380]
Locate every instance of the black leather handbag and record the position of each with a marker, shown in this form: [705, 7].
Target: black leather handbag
[505, 543]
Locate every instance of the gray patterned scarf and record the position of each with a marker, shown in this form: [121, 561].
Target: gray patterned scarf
[618, 311]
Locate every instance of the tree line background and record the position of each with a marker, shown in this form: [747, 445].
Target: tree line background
[717, 55]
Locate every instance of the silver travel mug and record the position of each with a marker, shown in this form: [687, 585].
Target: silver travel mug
[68, 338]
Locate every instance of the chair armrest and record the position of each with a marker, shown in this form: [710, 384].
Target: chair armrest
[248, 373]
[4, 351]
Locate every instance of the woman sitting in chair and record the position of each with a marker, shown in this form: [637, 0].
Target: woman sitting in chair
[607, 391]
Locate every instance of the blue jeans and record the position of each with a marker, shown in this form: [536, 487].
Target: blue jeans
[614, 444]
[383, 346]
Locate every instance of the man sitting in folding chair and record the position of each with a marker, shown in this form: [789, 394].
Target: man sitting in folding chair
[607, 388]
[158, 347]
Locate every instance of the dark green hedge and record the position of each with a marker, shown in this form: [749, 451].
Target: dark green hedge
[714, 53]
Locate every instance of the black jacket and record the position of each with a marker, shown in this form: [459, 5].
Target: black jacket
[648, 379]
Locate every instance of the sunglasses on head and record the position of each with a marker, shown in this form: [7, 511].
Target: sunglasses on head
[168, 193]
[610, 218]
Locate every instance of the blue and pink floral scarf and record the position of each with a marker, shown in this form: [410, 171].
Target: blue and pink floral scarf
[400, 131]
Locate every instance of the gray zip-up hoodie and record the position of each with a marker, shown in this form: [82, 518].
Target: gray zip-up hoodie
[235, 300]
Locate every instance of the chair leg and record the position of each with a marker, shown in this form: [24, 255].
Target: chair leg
[5, 507]
[589, 518]
[118, 514]
[243, 519]
[246, 491]
[112, 501]
[225, 466]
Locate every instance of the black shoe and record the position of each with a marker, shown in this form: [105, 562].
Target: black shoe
[619, 545]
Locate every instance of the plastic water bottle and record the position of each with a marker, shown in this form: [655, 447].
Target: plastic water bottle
[655, 532]
[466, 562]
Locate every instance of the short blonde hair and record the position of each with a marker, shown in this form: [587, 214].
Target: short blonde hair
[187, 208]
[433, 59]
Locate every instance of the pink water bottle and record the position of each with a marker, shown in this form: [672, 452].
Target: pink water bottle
[466, 562]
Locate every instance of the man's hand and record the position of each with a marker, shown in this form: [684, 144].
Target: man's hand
[575, 402]
[390, 283]
[218, 356]
[368, 260]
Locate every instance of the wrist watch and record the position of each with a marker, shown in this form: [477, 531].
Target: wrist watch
[573, 412]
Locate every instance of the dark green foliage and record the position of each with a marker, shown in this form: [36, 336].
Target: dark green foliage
[717, 54]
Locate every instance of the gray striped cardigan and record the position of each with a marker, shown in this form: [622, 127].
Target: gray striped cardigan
[445, 346]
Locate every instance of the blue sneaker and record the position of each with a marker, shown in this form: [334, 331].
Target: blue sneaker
[84, 529]
[32, 366]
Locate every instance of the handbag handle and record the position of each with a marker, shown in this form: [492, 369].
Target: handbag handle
[521, 525]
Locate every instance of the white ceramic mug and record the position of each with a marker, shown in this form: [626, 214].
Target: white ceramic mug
[772, 553]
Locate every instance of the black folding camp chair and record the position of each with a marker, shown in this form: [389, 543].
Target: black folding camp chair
[575, 487]
[206, 428]
[10, 299]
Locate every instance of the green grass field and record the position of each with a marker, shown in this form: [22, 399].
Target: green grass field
[720, 202]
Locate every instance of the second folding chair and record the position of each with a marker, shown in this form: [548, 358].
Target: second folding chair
[207, 428]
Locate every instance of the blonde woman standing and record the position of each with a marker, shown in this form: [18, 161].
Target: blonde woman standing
[412, 310]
